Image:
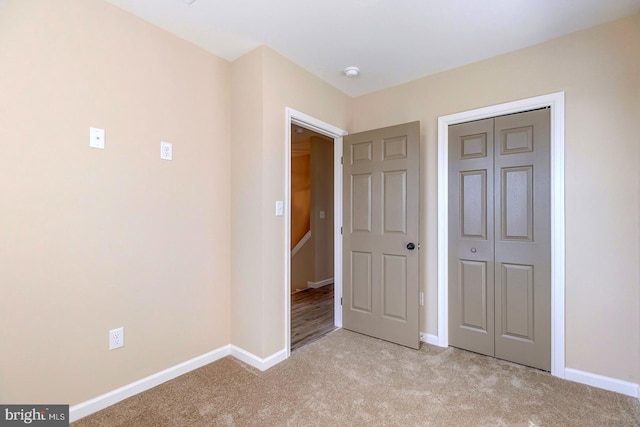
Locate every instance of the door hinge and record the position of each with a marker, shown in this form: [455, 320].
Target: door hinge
[340, 300]
[342, 160]
[340, 230]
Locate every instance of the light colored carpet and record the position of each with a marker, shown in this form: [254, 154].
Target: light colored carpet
[347, 379]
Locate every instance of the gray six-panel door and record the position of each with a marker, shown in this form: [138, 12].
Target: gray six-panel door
[523, 238]
[471, 246]
[380, 232]
[499, 238]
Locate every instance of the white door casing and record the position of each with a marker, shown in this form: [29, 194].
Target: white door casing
[316, 125]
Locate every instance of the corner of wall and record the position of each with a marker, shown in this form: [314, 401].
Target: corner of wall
[246, 193]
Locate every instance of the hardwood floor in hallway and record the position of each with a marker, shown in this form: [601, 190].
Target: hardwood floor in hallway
[311, 315]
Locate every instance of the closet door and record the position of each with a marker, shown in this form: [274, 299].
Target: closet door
[471, 246]
[499, 238]
[523, 239]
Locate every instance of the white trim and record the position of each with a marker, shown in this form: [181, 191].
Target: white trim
[337, 231]
[600, 381]
[103, 401]
[321, 283]
[96, 404]
[429, 338]
[257, 362]
[301, 243]
[556, 102]
[311, 123]
[323, 128]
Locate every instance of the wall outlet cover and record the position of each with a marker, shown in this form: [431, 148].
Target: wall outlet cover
[96, 138]
[166, 151]
[116, 338]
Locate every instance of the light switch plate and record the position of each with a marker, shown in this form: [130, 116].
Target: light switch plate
[96, 138]
[279, 208]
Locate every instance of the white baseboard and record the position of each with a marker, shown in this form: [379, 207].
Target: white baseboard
[96, 404]
[600, 381]
[101, 402]
[582, 377]
[429, 339]
[320, 284]
[257, 362]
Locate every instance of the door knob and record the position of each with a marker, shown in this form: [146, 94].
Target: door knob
[474, 250]
[411, 246]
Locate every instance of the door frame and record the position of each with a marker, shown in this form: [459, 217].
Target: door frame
[556, 102]
[294, 117]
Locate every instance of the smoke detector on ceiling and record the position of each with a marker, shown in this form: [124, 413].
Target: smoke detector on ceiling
[352, 72]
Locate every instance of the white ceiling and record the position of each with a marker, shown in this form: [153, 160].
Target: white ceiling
[391, 41]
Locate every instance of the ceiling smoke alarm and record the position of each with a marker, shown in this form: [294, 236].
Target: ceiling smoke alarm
[352, 72]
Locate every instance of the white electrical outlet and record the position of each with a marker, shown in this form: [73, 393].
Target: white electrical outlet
[166, 151]
[116, 338]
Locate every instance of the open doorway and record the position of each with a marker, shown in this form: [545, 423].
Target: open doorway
[312, 240]
[332, 133]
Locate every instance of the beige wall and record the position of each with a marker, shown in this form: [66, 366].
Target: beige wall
[322, 195]
[303, 259]
[312, 179]
[300, 197]
[258, 318]
[96, 239]
[286, 85]
[599, 70]
[247, 290]
[303, 266]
